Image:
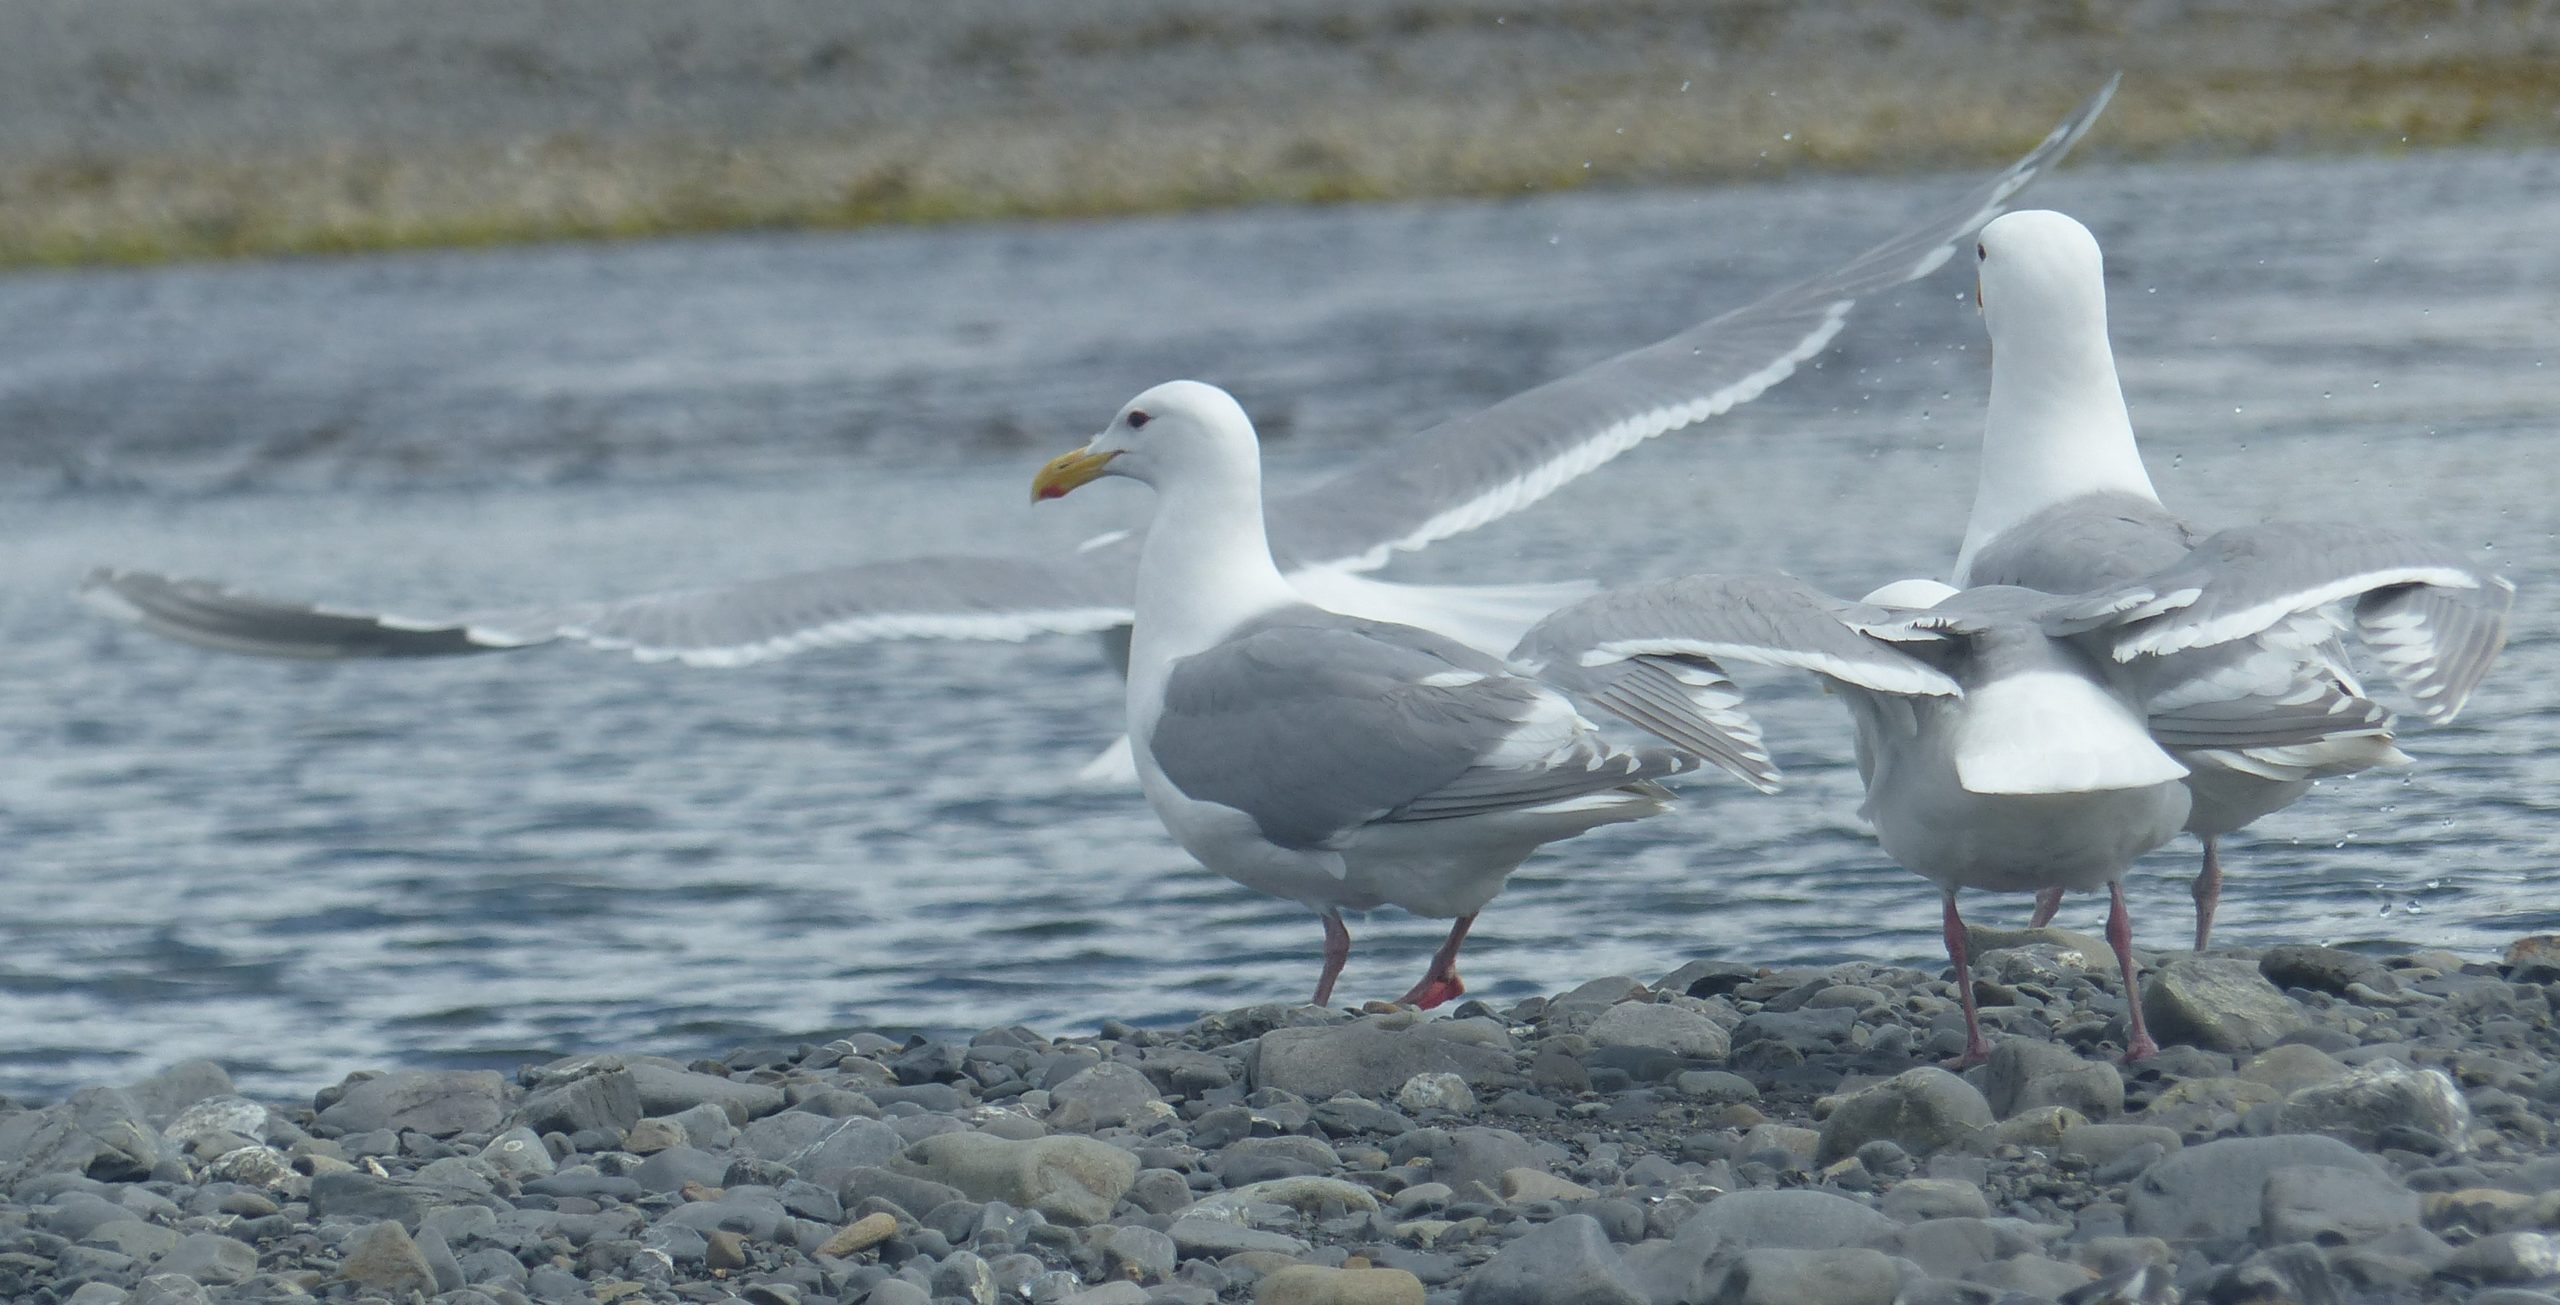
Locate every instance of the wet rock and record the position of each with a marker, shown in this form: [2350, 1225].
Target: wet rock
[2216, 1002]
[667, 1088]
[1567, 1262]
[1921, 1110]
[169, 1289]
[1374, 1057]
[1915, 1199]
[2331, 1206]
[2322, 969]
[2025, 1073]
[844, 1149]
[2507, 1257]
[439, 1103]
[2218, 1189]
[2371, 1100]
[1203, 1237]
[1310, 1284]
[1660, 1027]
[2099, 1145]
[2291, 1067]
[1072, 1180]
[383, 1258]
[1481, 1155]
[2035, 1276]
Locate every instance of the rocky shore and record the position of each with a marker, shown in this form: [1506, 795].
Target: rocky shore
[151, 129]
[2324, 1126]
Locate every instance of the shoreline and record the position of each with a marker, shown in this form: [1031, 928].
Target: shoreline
[141, 143]
[2319, 1122]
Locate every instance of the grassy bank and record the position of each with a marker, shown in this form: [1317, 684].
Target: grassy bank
[211, 134]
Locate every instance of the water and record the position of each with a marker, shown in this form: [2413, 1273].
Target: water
[305, 869]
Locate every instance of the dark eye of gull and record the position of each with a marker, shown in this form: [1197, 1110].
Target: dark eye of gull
[1980, 253]
[1137, 419]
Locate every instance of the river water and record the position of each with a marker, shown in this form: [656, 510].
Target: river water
[305, 869]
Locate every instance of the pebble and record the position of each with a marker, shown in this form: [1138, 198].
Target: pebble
[2221, 1003]
[2399, 1141]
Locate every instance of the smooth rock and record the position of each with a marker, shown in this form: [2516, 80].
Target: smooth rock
[1373, 1057]
[1203, 1237]
[1788, 1220]
[2216, 1002]
[1915, 1199]
[439, 1103]
[2507, 1257]
[1306, 1194]
[1140, 1254]
[2331, 1206]
[2026, 1073]
[1108, 1095]
[1567, 1262]
[2099, 1145]
[607, 1101]
[667, 1088]
[1436, 1090]
[2321, 969]
[1661, 1027]
[2291, 1067]
[1921, 1110]
[1311, 1284]
[98, 1132]
[861, 1235]
[1856, 1276]
[211, 1257]
[2370, 1099]
[1072, 1180]
[383, 1258]
[2218, 1189]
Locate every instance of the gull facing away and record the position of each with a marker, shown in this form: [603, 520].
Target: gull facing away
[2015, 741]
[1328, 759]
[1405, 495]
[2064, 506]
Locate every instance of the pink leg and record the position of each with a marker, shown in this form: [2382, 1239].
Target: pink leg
[1976, 1050]
[1337, 950]
[2208, 890]
[1441, 981]
[2047, 903]
[2120, 937]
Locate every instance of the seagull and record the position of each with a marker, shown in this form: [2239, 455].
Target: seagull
[1332, 760]
[1407, 494]
[2064, 506]
[2012, 740]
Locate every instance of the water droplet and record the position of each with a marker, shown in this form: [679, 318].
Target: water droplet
[1786, 135]
[1553, 238]
[1684, 88]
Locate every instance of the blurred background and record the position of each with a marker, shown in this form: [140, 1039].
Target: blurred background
[872, 263]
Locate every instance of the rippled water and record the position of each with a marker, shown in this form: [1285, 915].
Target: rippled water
[305, 869]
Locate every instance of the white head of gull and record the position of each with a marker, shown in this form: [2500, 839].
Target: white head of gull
[2065, 506]
[1331, 760]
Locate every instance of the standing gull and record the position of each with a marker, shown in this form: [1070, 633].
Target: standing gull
[1409, 493]
[1328, 759]
[2011, 740]
[2064, 506]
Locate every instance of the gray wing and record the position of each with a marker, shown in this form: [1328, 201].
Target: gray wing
[2433, 620]
[2082, 545]
[1463, 473]
[918, 597]
[1317, 725]
[1650, 654]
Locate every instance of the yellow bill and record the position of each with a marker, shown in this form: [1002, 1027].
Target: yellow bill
[1069, 470]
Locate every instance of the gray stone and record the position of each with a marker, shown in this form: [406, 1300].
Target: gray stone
[667, 1088]
[1660, 1027]
[2331, 1206]
[99, 1132]
[1682, 1267]
[131, 1236]
[439, 1103]
[2291, 1067]
[852, 1145]
[2038, 1277]
[1140, 1254]
[161, 1096]
[169, 1289]
[1068, 1179]
[1916, 1199]
[1482, 1155]
[1197, 1237]
[2358, 1107]
[211, 1257]
[2507, 1257]
[1108, 1095]
[1567, 1262]
[2323, 969]
[2100, 1145]
[963, 1274]
[671, 1169]
[519, 1153]
[2217, 1002]
[2027, 1073]
[246, 1120]
[1436, 1091]
[1793, 1277]
[2218, 1189]
[1109, 1293]
[1313, 1284]
[1374, 1057]
[384, 1259]
[1922, 1110]
[2080, 952]
[608, 1100]
[1788, 1220]
[895, 1291]
[355, 1194]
